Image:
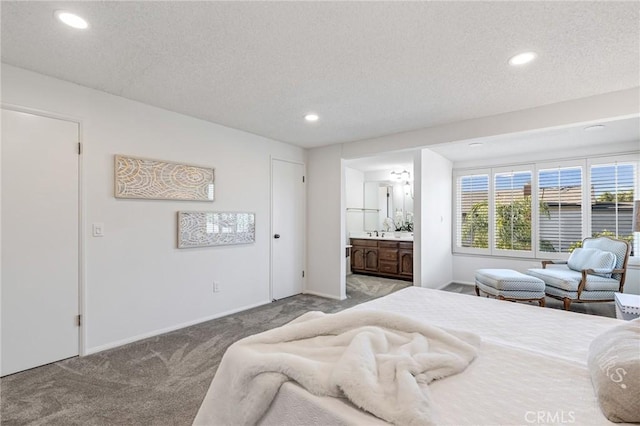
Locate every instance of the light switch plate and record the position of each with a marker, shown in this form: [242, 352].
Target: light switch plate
[98, 229]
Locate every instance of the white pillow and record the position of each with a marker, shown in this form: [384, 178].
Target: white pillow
[591, 258]
[614, 365]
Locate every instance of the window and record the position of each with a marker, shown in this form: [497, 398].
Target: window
[545, 210]
[559, 209]
[613, 186]
[512, 207]
[472, 215]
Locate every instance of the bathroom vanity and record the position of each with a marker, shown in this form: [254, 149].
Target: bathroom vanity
[388, 257]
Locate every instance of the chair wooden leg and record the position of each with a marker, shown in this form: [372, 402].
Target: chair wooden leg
[567, 303]
[477, 291]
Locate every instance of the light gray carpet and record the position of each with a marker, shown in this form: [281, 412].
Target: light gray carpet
[160, 380]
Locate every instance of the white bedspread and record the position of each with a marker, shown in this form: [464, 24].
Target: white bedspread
[380, 361]
[530, 369]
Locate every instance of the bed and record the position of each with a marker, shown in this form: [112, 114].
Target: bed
[531, 367]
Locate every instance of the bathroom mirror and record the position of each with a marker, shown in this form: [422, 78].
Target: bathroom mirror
[386, 199]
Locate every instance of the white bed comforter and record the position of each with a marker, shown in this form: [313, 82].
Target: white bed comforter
[380, 361]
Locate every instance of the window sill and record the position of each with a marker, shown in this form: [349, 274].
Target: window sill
[634, 262]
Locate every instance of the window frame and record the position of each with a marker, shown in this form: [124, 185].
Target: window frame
[586, 202]
[492, 211]
[584, 162]
[457, 174]
[613, 159]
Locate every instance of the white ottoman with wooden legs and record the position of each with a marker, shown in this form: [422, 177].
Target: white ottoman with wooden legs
[507, 284]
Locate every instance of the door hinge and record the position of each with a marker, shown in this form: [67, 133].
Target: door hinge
[302, 179]
[302, 274]
[79, 148]
[79, 320]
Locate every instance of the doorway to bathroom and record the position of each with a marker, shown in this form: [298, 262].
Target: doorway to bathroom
[379, 220]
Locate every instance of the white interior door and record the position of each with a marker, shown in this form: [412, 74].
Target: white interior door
[287, 218]
[39, 240]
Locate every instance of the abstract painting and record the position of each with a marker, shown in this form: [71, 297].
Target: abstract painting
[202, 229]
[161, 180]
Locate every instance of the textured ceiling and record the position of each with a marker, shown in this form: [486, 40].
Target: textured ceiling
[525, 145]
[367, 68]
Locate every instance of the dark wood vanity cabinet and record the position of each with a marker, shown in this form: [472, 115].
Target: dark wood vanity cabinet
[391, 259]
[364, 256]
[357, 258]
[371, 259]
[388, 255]
[405, 259]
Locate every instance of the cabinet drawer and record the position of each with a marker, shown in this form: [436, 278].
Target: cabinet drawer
[406, 246]
[388, 267]
[364, 243]
[388, 244]
[388, 254]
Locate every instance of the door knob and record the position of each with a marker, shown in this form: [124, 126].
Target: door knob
[276, 236]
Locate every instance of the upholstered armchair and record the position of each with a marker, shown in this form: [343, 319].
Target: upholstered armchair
[593, 273]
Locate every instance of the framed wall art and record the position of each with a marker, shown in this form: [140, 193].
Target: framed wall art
[162, 180]
[203, 229]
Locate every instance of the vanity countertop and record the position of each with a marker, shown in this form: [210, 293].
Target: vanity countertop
[384, 236]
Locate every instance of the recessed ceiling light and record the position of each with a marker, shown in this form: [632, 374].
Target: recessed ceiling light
[311, 117]
[475, 144]
[71, 19]
[594, 128]
[522, 58]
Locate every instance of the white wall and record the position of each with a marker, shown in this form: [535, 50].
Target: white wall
[354, 196]
[326, 206]
[433, 228]
[542, 156]
[137, 282]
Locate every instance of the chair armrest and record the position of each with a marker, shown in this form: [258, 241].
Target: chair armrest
[594, 271]
[585, 272]
[553, 262]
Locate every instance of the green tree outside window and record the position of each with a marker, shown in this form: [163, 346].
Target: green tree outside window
[513, 224]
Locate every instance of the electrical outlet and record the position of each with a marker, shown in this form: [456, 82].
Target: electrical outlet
[216, 286]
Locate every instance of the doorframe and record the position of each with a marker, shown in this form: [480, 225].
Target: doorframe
[304, 221]
[82, 329]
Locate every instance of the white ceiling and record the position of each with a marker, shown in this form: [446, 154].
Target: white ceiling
[530, 144]
[367, 68]
[542, 144]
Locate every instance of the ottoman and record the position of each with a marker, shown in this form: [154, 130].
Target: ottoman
[507, 284]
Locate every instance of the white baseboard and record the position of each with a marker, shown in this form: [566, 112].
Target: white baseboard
[453, 282]
[132, 339]
[443, 286]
